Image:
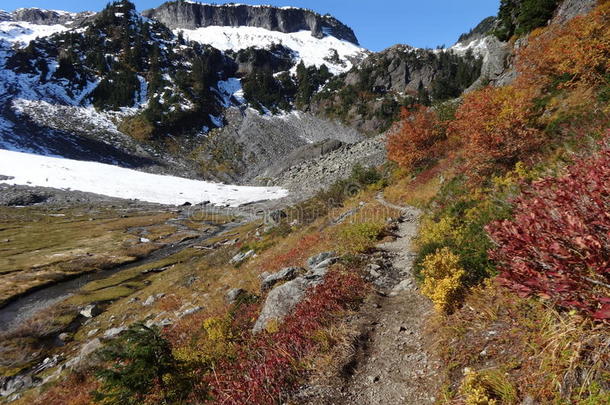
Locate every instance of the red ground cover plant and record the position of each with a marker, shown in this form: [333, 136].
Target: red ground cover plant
[298, 254]
[268, 365]
[558, 244]
[74, 390]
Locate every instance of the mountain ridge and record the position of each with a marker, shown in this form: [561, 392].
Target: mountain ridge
[191, 15]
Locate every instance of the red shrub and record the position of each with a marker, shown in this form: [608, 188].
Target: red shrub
[268, 365]
[558, 244]
[298, 254]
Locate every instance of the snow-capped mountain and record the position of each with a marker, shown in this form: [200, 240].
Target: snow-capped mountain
[313, 38]
[126, 89]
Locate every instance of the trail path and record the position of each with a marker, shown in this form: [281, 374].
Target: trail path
[390, 365]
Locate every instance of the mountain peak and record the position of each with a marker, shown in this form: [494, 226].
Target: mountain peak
[191, 15]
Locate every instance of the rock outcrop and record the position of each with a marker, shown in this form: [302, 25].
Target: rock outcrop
[46, 17]
[283, 299]
[187, 15]
[572, 8]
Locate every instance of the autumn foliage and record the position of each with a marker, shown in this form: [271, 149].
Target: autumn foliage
[497, 129]
[577, 53]
[558, 244]
[266, 366]
[415, 141]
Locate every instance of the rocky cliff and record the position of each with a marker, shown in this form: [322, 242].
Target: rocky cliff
[45, 17]
[189, 15]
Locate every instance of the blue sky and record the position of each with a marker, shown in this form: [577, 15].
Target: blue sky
[377, 23]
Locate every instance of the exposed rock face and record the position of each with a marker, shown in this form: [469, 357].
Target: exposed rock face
[496, 67]
[186, 15]
[45, 17]
[286, 274]
[402, 74]
[480, 31]
[263, 145]
[572, 8]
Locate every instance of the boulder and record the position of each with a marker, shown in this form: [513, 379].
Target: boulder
[241, 257]
[321, 260]
[286, 274]
[11, 385]
[282, 299]
[234, 294]
[90, 311]
[114, 332]
[85, 351]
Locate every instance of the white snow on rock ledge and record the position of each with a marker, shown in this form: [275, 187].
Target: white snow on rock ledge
[312, 51]
[114, 181]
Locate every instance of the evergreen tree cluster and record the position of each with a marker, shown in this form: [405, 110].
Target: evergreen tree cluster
[519, 17]
[264, 90]
[370, 98]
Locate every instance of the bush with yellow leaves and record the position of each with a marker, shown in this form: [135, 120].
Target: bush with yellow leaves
[488, 387]
[443, 278]
[214, 344]
[359, 237]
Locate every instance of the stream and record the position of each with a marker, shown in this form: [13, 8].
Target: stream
[28, 305]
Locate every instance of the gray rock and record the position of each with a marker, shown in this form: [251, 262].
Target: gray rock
[4, 178]
[22, 196]
[275, 216]
[12, 385]
[188, 15]
[114, 332]
[90, 311]
[242, 257]
[324, 259]
[234, 294]
[64, 337]
[404, 285]
[160, 322]
[528, 400]
[85, 352]
[189, 311]
[282, 300]
[49, 17]
[569, 9]
[286, 274]
[149, 301]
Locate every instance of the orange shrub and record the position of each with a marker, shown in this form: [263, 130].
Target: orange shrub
[577, 52]
[415, 141]
[497, 129]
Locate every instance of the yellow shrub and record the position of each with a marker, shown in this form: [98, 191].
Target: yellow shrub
[443, 279]
[138, 127]
[432, 231]
[357, 238]
[216, 343]
[487, 388]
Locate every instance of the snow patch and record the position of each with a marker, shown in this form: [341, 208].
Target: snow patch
[114, 181]
[23, 32]
[231, 89]
[309, 49]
